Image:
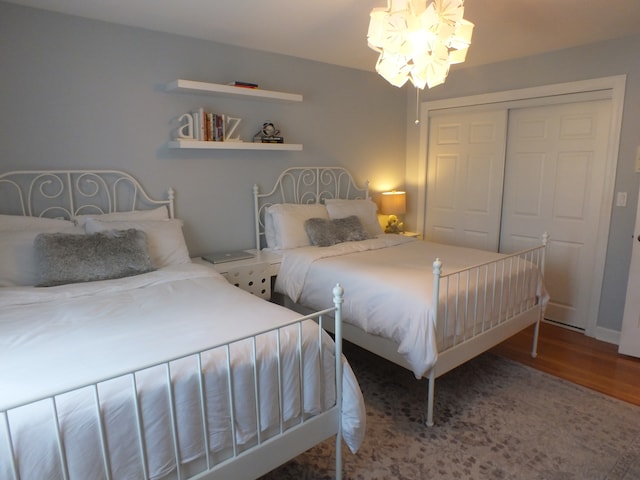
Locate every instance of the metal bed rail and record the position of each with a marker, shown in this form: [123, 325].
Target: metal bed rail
[475, 299]
[241, 460]
[479, 306]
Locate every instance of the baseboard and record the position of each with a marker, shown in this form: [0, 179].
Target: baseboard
[607, 335]
[602, 334]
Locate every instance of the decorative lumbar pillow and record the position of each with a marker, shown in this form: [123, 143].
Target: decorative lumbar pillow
[350, 229]
[324, 233]
[365, 210]
[70, 258]
[321, 232]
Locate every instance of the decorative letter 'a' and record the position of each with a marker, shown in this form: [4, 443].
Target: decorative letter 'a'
[185, 130]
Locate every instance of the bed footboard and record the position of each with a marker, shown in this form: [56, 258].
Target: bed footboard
[480, 306]
[204, 424]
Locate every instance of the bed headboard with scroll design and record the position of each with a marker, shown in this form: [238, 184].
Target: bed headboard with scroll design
[67, 193]
[305, 185]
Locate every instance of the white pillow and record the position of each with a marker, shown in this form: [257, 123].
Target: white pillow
[166, 241]
[365, 210]
[19, 222]
[160, 213]
[18, 262]
[287, 220]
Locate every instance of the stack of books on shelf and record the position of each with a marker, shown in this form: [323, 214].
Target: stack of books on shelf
[208, 127]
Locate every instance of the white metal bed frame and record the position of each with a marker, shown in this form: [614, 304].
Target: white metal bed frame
[99, 191]
[304, 185]
[67, 193]
[307, 180]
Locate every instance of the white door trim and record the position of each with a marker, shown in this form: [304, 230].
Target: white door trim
[614, 84]
[629, 341]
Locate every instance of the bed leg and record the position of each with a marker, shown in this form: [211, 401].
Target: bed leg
[534, 345]
[432, 384]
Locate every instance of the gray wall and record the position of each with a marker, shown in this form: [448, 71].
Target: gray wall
[86, 94]
[618, 57]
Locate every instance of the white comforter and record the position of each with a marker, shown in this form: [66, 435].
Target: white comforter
[58, 338]
[388, 284]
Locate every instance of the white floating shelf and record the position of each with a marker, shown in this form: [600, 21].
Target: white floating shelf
[233, 145]
[190, 86]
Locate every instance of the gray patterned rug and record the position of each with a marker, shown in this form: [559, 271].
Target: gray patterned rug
[495, 419]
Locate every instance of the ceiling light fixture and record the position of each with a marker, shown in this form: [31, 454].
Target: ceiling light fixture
[419, 40]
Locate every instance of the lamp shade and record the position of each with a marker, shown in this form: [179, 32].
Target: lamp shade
[393, 203]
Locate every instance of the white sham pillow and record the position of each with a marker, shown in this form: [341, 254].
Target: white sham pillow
[18, 261]
[166, 241]
[365, 210]
[160, 213]
[10, 223]
[284, 224]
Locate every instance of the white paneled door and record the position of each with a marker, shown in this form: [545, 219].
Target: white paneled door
[499, 179]
[554, 182]
[465, 174]
[630, 334]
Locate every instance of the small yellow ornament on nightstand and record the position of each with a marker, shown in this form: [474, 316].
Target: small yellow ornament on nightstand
[393, 225]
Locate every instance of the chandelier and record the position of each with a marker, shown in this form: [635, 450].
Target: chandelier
[418, 40]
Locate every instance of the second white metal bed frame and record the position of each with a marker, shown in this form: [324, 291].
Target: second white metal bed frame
[314, 184]
[66, 193]
[250, 463]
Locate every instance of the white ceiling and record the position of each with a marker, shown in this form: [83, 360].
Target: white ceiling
[334, 31]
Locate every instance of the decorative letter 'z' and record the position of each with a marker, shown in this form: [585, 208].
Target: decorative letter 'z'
[231, 127]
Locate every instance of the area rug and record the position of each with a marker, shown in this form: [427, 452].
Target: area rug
[494, 419]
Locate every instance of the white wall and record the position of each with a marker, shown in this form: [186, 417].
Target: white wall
[85, 94]
[617, 57]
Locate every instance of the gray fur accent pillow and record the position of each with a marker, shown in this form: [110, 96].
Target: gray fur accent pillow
[324, 233]
[73, 258]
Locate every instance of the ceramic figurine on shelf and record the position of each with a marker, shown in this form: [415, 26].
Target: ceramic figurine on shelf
[268, 134]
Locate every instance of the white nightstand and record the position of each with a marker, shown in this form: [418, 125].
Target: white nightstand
[251, 274]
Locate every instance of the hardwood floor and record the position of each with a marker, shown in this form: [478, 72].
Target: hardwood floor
[580, 359]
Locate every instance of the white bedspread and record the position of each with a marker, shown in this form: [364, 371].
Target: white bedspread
[388, 284]
[59, 338]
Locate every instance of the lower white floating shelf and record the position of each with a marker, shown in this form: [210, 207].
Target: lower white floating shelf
[233, 145]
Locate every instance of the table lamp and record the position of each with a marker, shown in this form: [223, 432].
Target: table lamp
[393, 203]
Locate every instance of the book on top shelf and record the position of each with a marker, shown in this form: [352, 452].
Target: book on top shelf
[243, 84]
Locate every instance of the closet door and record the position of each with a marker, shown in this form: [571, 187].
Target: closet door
[464, 178]
[554, 182]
